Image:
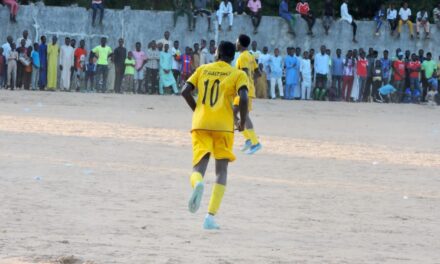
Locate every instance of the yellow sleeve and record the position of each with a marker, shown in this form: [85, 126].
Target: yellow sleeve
[242, 80]
[194, 79]
[239, 62]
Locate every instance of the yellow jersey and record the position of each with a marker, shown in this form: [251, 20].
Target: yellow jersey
[247, 61]
[217, 84]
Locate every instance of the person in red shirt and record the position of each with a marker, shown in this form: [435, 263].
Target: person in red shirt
[79, 64]
[399, 74]
[414, 67]
[362, 69]
[186, 62]
[303, 9]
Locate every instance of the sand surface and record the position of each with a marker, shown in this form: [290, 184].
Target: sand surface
[104, 178]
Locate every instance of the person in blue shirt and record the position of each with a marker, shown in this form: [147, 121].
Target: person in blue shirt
[379, 18]
[291, 63]
[337, 73]
[42, 51]
[90, 74]
[386, 67]
[276, 74]
[286, 15]
[35, 56]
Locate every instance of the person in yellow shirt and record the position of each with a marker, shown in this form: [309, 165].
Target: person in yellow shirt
[212, 131]
[247, 63]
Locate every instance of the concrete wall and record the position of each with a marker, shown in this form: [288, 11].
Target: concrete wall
[136, 25]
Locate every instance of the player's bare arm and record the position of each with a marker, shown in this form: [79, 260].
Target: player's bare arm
[187, 94]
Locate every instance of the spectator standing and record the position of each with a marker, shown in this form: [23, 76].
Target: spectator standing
[303, 9]
[12, 67]
[53, 50]
[22, 51]
[362, 72]
[42, 80]
[348, 77]
[379, 17]
[377, 81]
[181, 8]
[35, 56]
[225, 10]
[200, 9]
[186, 69]
[140, 59]
[399, 68]
[264, 60]
[13, 9]
[322, 69]
[166, 74]
[327, 19]
[196, 57]
[386, 67]
[286, 15]
[414, 67]
[298, 57]
[80, 55]
[119, 58]
[291, 63]
[7, 48]
[90, 75]
[211, 55]
[27, 40]
[306, 77]
[436, 15]
[337, 73]
[97, 5]
[255, 13]
[129, 71]
[2, 68]
[175, 52]
[153, 56]
[27, 68]
[345, 15]
[405, 18]
[66, 63]
[104, 52]
[422, 21]
[165, 40]
[276, 74]
[429, 66]
[204, 53]
[392, 18]
[254, 51]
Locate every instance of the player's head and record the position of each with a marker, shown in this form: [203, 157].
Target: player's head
[243, 42]
[226, 51]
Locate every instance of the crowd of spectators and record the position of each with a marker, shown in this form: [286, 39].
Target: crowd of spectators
[163, 67]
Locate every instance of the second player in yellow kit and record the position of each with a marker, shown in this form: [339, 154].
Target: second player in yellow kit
[213, 124]
[247, 63]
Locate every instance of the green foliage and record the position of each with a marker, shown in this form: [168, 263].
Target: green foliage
[359, 8]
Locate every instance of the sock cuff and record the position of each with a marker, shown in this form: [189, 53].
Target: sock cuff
[195, 178]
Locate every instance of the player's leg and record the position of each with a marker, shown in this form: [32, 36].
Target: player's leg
[251, 132]
[221, 171]
[245, 133]
[197, 184]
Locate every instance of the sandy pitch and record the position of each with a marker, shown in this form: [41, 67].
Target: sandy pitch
[90, 178]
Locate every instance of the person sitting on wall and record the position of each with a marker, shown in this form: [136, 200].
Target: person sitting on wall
[286, 15]
[181, 8]
[303, 9]
[97, 4]
[255, 13]
[13, 7]
[200, 9]
[225, 9]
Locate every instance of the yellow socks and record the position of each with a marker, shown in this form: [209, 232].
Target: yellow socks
[195, 178]
[246, 134]
[216, 198]
[252, 136]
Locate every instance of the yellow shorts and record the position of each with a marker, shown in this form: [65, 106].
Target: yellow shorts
[219, 144]
[237, 102]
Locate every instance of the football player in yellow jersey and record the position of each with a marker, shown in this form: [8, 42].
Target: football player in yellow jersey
[212, 131]
[247, 63]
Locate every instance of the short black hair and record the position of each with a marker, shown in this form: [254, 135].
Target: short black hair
[244, 40]
[226, 51]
